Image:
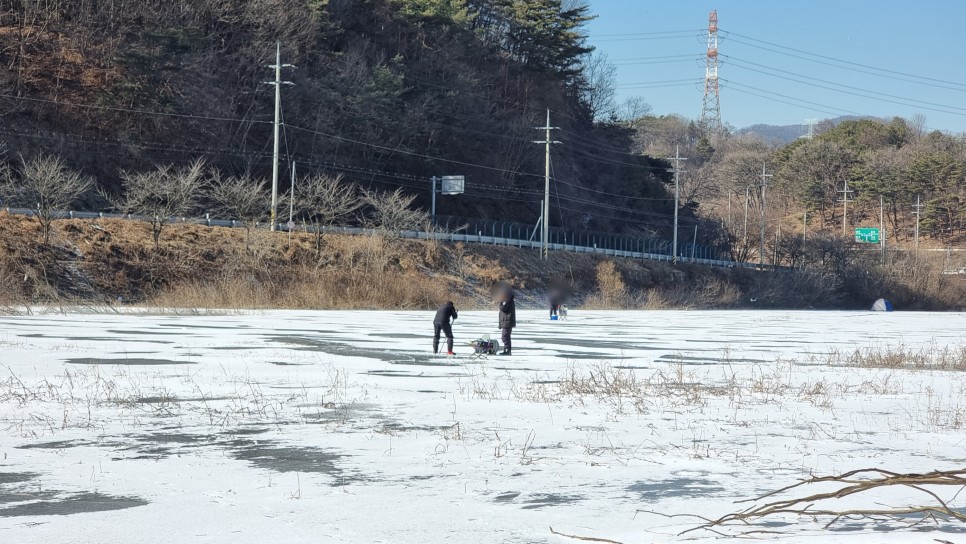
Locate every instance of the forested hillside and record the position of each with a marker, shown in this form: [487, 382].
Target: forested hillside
[386, 92]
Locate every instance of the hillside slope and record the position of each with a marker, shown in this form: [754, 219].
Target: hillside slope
[109, 262]
[386, 93]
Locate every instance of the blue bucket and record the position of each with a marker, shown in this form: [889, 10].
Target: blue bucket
[553, 318]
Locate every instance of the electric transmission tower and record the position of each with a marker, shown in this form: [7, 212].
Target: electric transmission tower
[711, 106]
[810, 128]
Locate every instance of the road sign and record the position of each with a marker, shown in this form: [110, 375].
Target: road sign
[452, 185]
[867, 236]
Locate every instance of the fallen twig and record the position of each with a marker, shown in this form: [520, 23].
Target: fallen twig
[585, 538]
[854, 482]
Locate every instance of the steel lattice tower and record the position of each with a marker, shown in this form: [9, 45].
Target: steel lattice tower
[711, 106]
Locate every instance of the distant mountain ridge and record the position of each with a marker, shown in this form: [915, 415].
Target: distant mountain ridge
[783, 134]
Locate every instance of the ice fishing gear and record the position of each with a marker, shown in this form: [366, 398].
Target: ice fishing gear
[484, 347]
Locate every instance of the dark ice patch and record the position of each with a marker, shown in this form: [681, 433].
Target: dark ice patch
[676, 487]
[536, 501]
[80, 503]
[133, 361]
[303, 459]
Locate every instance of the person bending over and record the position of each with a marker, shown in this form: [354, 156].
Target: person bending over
[443, 323]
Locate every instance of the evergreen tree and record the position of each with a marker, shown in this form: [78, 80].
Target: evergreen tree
[541, 33]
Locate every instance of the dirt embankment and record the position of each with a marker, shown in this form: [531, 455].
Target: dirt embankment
[114, 262]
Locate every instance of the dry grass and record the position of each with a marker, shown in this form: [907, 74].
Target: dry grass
[106, 261]
[713, 293]
[899, 357]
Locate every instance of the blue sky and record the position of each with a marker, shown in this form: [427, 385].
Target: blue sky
[919, 41]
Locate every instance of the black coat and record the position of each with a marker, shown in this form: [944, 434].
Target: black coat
[444, 313]
[508, 313]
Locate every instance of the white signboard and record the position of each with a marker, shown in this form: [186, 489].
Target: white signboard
[452, 185]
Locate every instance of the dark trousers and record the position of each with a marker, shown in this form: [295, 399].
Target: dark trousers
[446, 329]
[554, 308]
[506, 339]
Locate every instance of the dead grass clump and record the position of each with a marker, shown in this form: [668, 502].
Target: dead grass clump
[612, 292]
[705, 293]
[354, 273]
[470, 265]
[900, 356]
[623, 389]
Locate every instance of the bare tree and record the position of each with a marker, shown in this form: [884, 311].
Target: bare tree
[632, 111]
[45, 185]
[242, 198]
[323, 200]
[161, 194]
[599, 85]
[391, 212]
[918, 124]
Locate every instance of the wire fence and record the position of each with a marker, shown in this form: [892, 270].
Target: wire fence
[687, 247]
[478, 232]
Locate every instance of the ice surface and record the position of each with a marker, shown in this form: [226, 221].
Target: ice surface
[342, 426]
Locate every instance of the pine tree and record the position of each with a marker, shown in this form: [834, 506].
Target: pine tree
[541, 33]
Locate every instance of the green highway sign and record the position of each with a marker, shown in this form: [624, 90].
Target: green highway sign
[867, 236]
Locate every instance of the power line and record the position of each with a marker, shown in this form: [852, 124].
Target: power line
[656, 84]
[687, 58]
[583, 140]
[131, 110]
[412, 153]
[838, 87]
[601, 160]
[839, 62]
[646, 38]
[790, 100]
[656, 33]
[633, 60]
[263, 155]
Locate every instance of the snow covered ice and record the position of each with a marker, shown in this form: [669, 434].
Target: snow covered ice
[343, 427]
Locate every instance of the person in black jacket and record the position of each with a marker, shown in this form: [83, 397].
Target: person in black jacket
[442, 323]
[556, 299]
[508, 318]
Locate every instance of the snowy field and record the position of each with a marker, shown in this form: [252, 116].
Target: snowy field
[310, 427]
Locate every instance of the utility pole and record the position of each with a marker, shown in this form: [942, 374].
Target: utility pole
[917, 213]
[432, 216]
[545, 212]
[764, 184]
[744, 232]
[882, 232]
[291, 199]
[677, 193]
[778, 237]
[291, 207]
[805, 226]
[845, 208]
[278, 122]
[694, 244]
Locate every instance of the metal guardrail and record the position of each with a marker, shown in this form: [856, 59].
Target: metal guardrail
[584, 237]
[418, 235]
